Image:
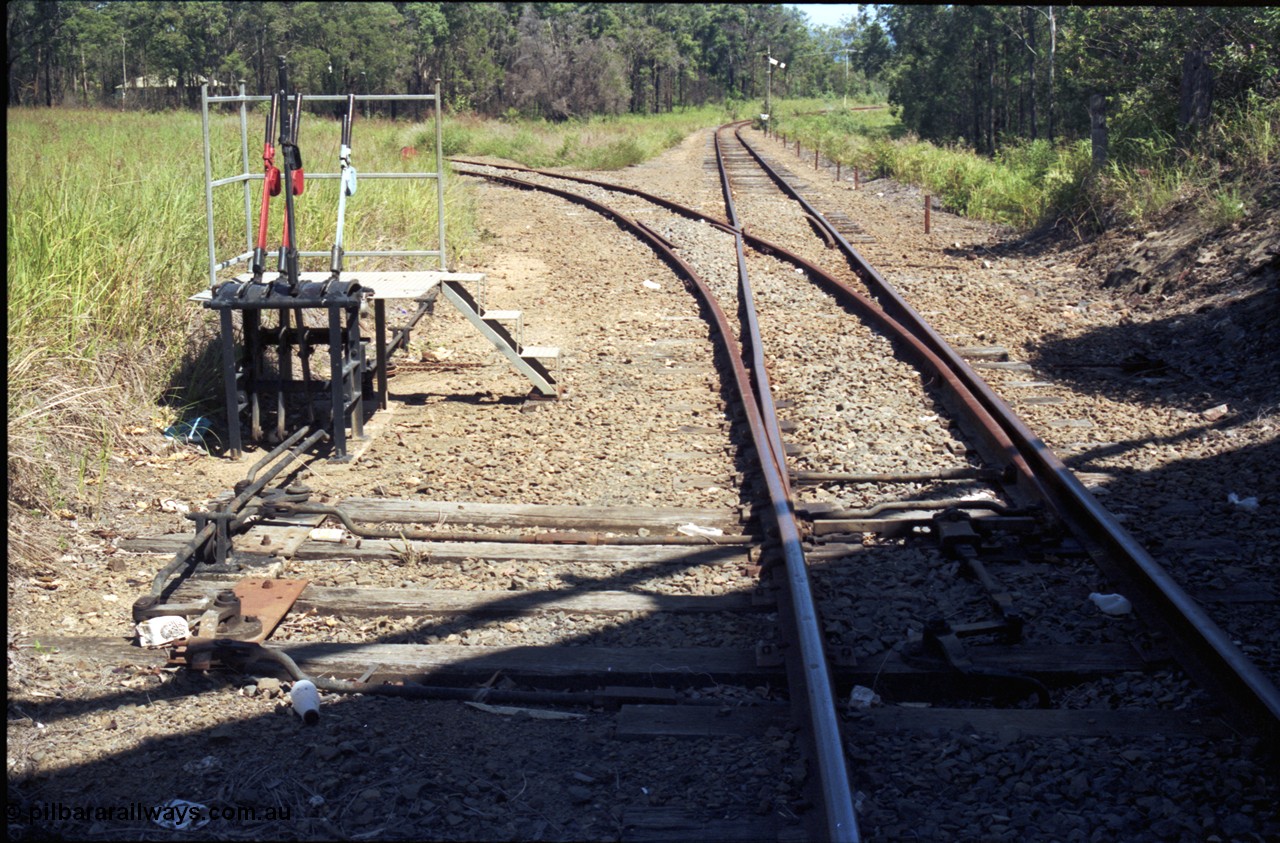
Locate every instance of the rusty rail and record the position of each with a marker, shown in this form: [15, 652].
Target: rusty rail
[1206, 650]
[1036, 473]
[826, 744]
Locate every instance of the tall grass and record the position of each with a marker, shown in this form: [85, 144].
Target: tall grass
[1223, 177]
[97, 277]
[106, 241]
[93, 229]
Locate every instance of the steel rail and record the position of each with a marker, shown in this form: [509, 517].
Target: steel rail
[833, 770]
[1207, 651]
[819, 705]
[246, 491]
[753, 342]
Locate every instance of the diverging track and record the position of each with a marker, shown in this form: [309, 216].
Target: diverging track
[948, 547]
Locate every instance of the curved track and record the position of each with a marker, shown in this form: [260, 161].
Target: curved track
[1011, 445]
[1031, 474]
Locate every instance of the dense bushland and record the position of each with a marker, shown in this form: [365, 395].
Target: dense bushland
[1087, 115]
[554, 61]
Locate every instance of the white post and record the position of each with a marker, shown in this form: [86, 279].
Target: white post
[768, 85]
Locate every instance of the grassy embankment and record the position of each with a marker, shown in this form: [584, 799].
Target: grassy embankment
[1226, 177]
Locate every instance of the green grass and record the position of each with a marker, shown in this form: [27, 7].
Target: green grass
[598, 143]
[1223, 208]
[95, 294]
[1016, 188]
[1223, 178]
[1031, 183]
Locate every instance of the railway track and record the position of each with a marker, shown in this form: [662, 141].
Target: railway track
[1059, 526]
[890, 576]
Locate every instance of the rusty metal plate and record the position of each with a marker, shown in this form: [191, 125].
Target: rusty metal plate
[267, 600]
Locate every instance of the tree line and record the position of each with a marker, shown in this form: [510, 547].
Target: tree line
[551, 60]
[990, 74]
[982, 75]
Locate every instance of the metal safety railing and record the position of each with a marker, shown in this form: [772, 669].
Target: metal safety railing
[246, 178]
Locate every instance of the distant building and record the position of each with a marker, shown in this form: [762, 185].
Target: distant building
[142, 83]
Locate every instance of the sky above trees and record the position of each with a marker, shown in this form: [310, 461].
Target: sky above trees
[827, 14]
